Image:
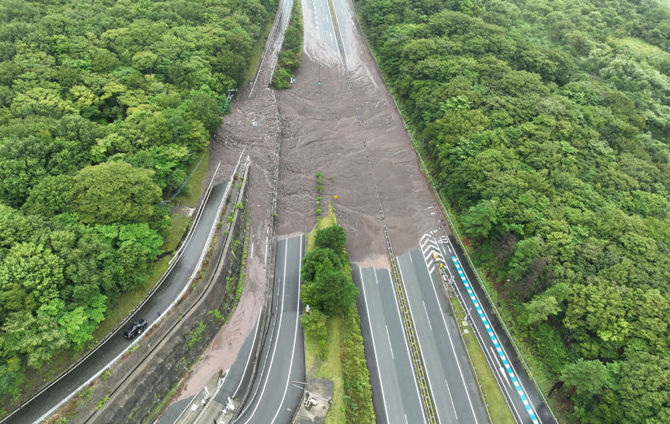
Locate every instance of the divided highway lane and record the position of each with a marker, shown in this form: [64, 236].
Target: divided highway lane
[455, 392]
[274, 397]
[521, 394]
[394, 388]
[40, 407]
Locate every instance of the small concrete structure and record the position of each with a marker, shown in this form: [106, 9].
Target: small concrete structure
[315, 402]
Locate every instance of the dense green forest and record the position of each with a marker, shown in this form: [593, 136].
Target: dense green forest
[103, 104]
[547, 128]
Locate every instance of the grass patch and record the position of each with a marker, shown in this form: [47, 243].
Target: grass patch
[344, 362]
[178, 226]
[193, 190]
[324, 222]
[493, 397]
[257, 52]
[330, 368]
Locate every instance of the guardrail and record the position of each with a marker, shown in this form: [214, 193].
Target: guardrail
[173, 261]
[412, 340]
[408, 322]
[202, 296]
[446, 213]
[480, 280]
[266, 312]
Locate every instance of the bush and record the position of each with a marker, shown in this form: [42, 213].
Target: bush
[358, 394]
[289, 58]
[314, 324]
[332, 237]
[314, 259]
[281, 78]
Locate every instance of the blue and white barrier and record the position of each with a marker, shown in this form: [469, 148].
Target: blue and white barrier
[494, 339]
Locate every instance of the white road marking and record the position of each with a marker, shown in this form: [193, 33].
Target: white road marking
[409, 353]
[274, 348]
[453, 350]
[476, 298]
[372, 336]
[500, 367]
[250, 354]
[427, 316]
[295, 333]
[402, 278]
[390, 345]
[453, 404]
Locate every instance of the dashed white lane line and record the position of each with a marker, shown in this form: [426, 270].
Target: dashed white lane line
[390, 345]
[409, 354]
[274, 348]
[453, 350]
[427, 316]
[453, 404]
[295, 334]
[372, 336]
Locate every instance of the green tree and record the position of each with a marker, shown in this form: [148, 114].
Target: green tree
[335, 293]
[587, 377]
[332, 237]
[480, 219]
[540, 308]
[36, 338]
[115, 192]
[30, 276]
[50, 196]
[525, 253]
[315, 259]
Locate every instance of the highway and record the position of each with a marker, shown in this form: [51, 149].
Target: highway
[395, 391]
[192, 411]
[44, 404]
[450, 377]
[519, 391]
[274, 395]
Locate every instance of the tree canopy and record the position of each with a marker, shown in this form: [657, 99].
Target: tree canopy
[546, 125]
[103, 106]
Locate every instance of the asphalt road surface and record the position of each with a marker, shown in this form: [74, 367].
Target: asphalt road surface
[450, 377]
[394, 388]
[274, 396]
[519, 391]
[42, 405]
[191, 410]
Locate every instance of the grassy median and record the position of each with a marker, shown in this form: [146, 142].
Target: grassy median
[334, 348]
[493, 397]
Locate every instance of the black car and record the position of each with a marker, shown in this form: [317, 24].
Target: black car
[135, 329]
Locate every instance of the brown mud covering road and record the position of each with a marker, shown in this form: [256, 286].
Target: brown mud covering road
[348, 129]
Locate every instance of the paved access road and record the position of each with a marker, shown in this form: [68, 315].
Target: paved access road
[394, 387]
[40, 407]
[192, 410]
[521, 394]
[274, 395]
